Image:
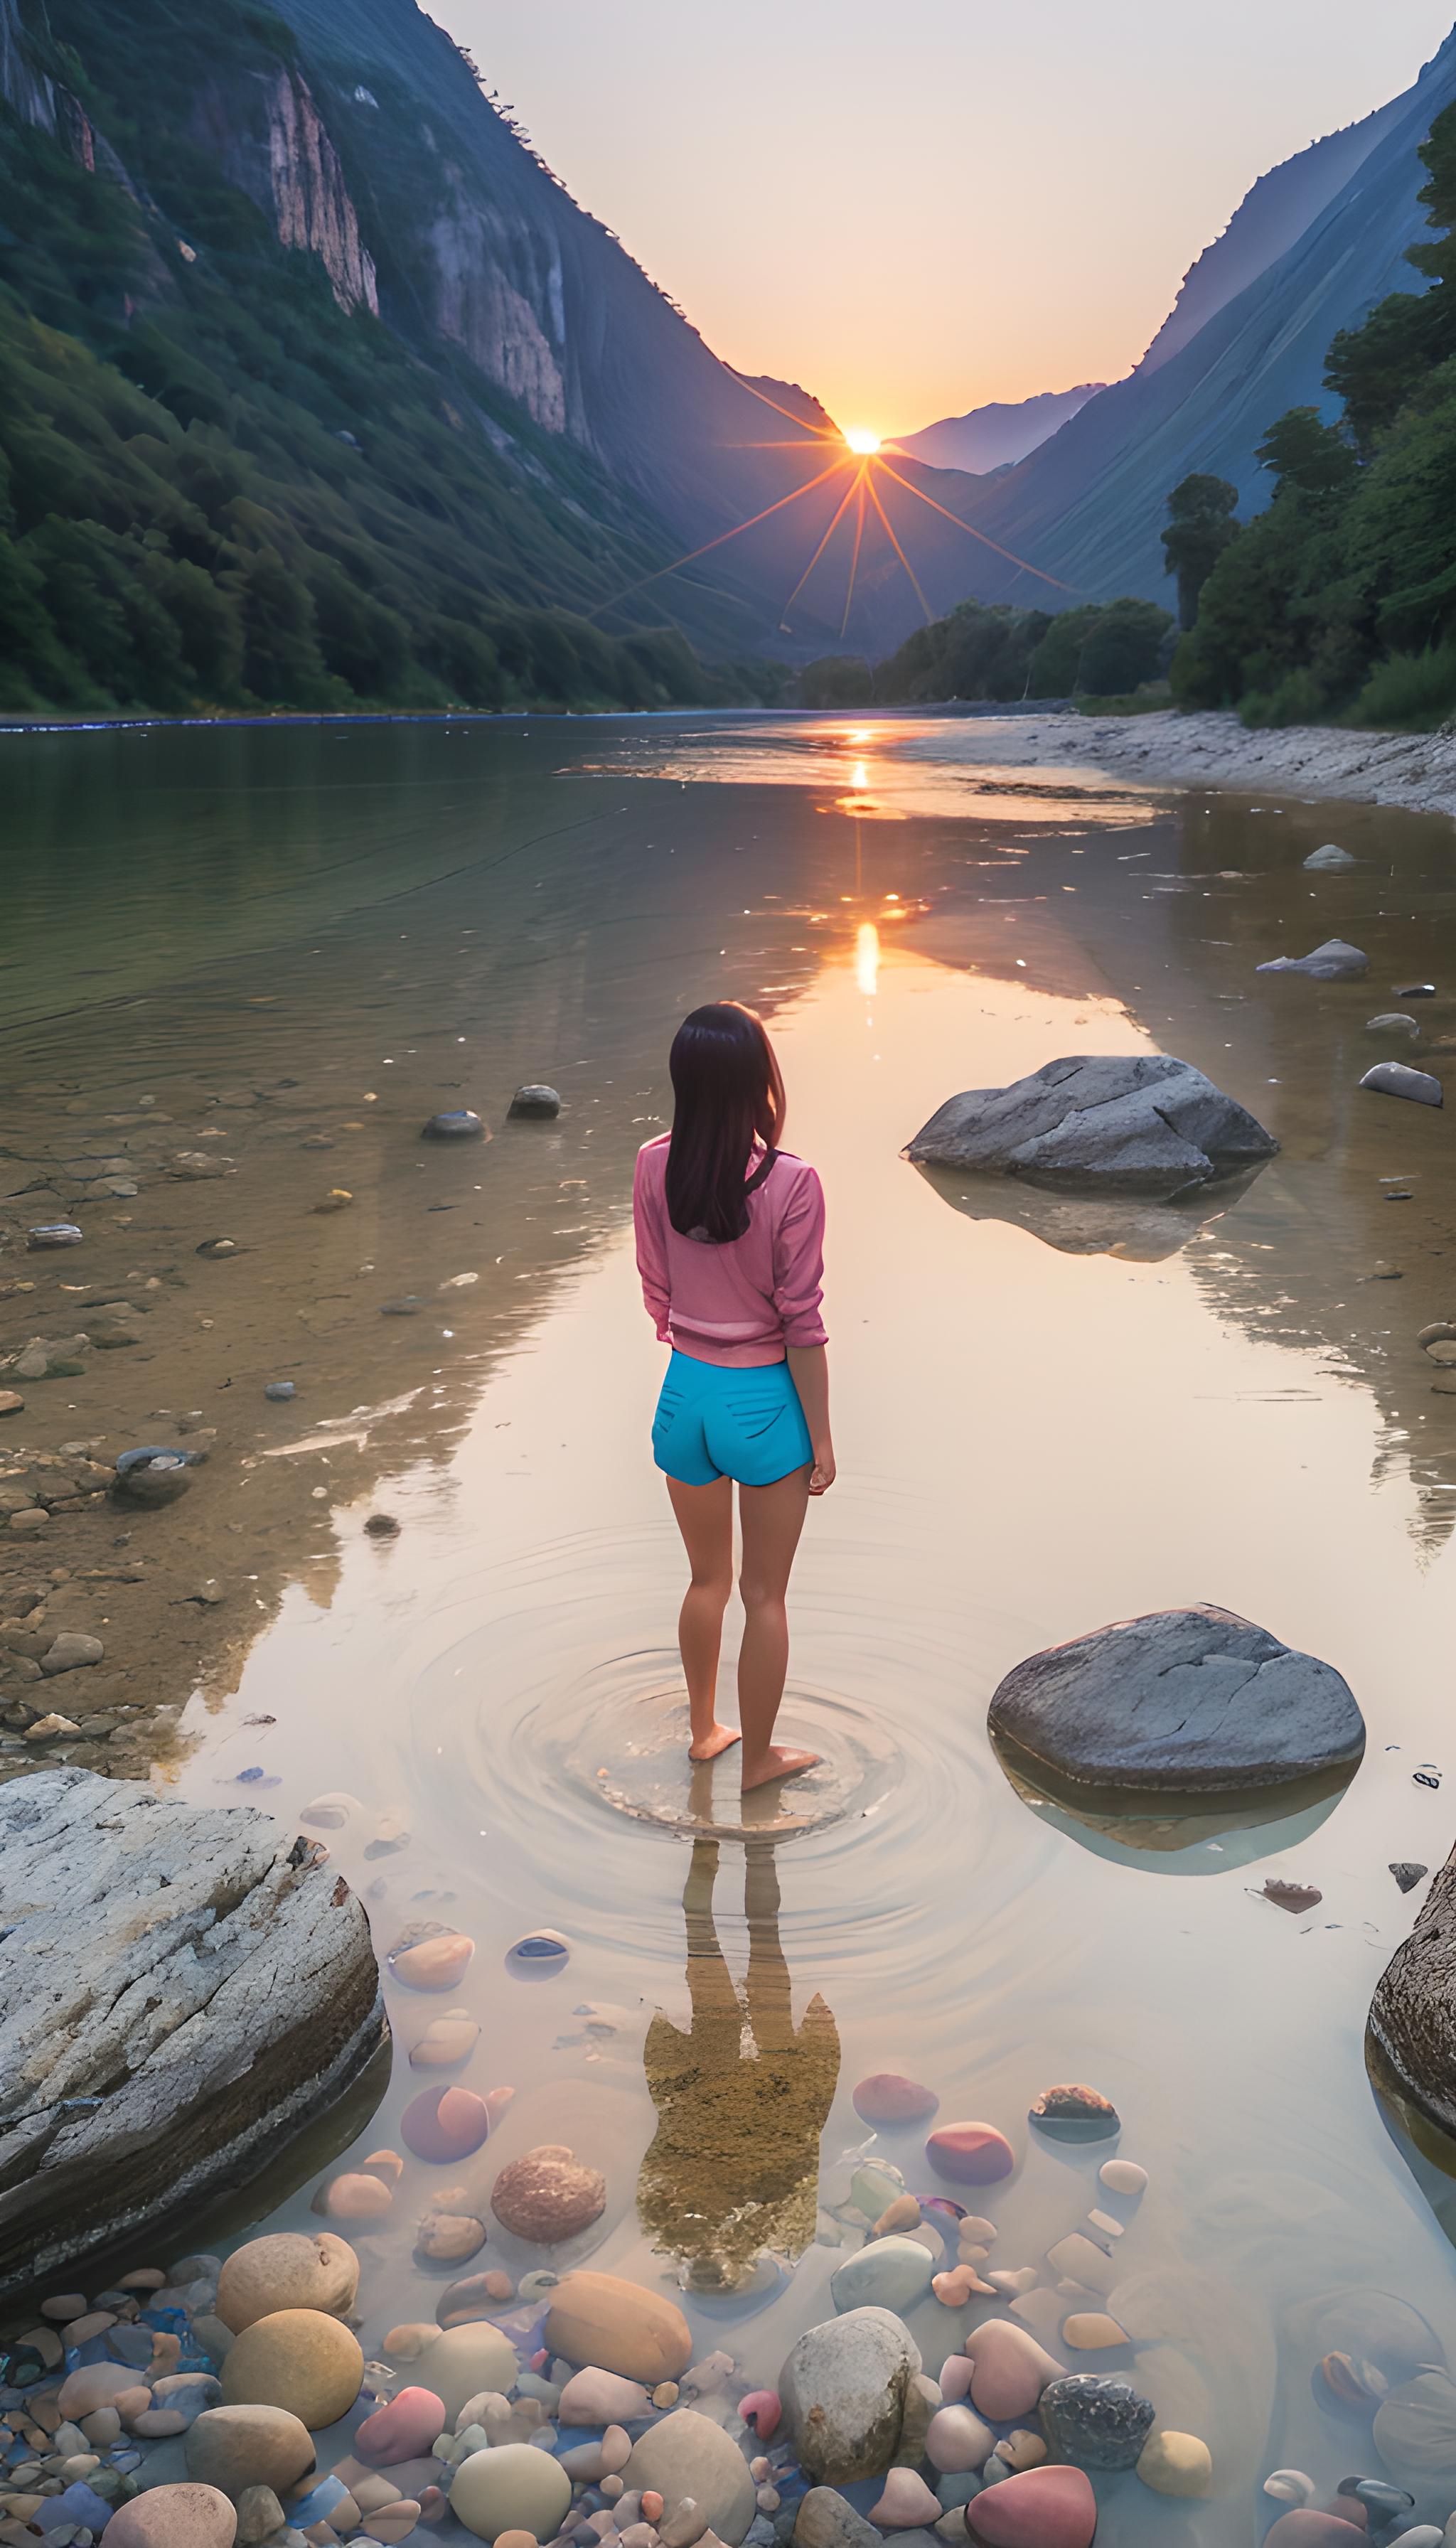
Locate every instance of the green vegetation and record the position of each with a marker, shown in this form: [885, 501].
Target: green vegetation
[1201, 526]
[221, 489]
[1340, 600]
[990, 651]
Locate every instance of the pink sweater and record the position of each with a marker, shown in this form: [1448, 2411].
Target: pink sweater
[742, 1303]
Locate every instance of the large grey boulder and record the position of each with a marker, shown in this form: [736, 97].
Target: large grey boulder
[1335, 962]
[845, 2387]
[180, 1991]
[1411, 2036]
[1107, 1123]
[1180, 1702]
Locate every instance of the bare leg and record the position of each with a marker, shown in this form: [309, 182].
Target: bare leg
[705, 1520]
[773, 1519]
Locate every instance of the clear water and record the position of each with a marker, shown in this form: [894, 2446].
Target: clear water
[1037, 1433]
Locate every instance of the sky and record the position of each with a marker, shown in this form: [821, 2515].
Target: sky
[915, 206]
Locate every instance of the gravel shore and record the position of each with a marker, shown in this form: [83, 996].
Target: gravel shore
[1173, 750]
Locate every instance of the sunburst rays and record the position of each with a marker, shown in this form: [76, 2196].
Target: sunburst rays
[864, 469]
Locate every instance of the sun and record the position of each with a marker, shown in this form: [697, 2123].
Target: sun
[861, 439]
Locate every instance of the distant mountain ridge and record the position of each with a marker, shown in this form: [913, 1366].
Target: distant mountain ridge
[1089, 504]
[996, 437]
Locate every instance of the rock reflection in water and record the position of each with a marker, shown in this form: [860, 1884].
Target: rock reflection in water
[1130, 1226]
[1192, 1835]
[742, 2094]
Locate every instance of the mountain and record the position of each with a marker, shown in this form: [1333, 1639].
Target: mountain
[316, 386]
[995, 437]
[1089, 504]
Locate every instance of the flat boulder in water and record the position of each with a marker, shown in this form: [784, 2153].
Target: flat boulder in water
[1138, 1124]
[1180, 1702]
[1398, 1079]
[1335, 962]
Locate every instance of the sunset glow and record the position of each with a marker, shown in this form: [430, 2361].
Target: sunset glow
[861, 439]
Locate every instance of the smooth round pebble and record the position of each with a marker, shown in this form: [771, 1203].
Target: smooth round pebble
[297, 2358]
[1009, 2370]
[236, 2446]
[957, 2440]
[686, 2454]
[453, 1124]
[354, 2197]
[430, 1958]
[287, 2270]
[511, 2487]
[1176, 2464]
[763, 2410]
[1415, 2425]
[449, 2238]
[548, 2195]
[174, 2516]
[447, 2040]
[408, 2428]
[464, 2360]
[443, 2125]
[1021, 2450]
[906, 2502]
[969, 2153]
[606, 2398]
[1123, 2176]
[887, 2097]
[1039, 2508]
[890, 2273]
[618, 2325]
[95, 2384]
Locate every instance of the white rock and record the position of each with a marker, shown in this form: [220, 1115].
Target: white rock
[1289, 2486]
[890, 2274]
[463, 2361]
[1123, 2176]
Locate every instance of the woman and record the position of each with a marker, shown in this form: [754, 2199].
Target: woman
[730, 1234]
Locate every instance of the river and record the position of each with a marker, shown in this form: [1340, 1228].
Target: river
[288, 947]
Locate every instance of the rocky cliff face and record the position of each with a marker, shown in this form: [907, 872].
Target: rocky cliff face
[23, 85]
[497, 292]
[270, 139]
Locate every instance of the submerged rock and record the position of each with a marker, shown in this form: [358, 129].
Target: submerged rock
[1392, 1022]
[54, 1233]
[456, 1124]
[887, 2097]
[154, 1475]
[1180, 1701]
[688, 2455]
[287, 2270]
[546, 2196]
[1330, 856]
[1398, 1079]
[1075, 2114]
[1040, 2507]
[1335, 962]
[1098, 2423]
[534, 1100]
[616, 2325]
[255, 1995]
[845, 2387]
[1141, 1124]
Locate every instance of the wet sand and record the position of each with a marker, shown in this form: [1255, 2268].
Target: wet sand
[1033, 1440]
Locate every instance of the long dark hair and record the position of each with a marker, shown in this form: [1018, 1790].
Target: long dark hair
[728, 1087]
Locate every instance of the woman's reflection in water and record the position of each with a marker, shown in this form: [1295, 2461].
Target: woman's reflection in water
[742, 2096]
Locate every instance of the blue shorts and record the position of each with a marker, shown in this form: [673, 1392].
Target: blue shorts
[716, 1421]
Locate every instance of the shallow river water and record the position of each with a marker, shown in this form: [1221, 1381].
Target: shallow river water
[1041, 1426]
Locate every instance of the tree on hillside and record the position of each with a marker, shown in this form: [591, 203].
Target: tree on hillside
[1375, 368]
[1123, 648]
[1201, 526]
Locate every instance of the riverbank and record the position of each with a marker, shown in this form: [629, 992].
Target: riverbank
[1174, 749]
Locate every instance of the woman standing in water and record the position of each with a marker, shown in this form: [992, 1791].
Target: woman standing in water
[730, 1235]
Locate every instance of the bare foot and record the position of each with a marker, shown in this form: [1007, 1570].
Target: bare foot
[712, 1744]
[780, 1761]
